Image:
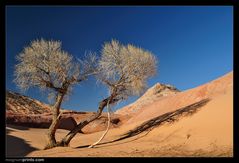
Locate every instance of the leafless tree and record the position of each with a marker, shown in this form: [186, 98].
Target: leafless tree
[45, 65]
[124, 70]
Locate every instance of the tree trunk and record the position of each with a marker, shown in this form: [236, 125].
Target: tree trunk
[55, 122]
[66, 140]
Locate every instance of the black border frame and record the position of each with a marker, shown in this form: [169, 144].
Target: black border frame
[234, 3]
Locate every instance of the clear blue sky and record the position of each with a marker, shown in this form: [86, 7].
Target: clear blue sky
[194, 44]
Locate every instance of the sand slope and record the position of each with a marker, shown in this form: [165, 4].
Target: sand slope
[182, 99]
[207, 132]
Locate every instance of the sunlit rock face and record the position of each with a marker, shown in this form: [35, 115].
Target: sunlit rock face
[157, 92]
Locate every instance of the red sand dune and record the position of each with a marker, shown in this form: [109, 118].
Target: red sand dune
[181, 99]
[206, 132]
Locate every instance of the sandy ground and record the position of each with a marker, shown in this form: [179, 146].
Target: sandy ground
[207, 133]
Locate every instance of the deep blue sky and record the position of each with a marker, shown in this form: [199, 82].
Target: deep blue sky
[193, 44]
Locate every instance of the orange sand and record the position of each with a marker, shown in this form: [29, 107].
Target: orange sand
[208, 132]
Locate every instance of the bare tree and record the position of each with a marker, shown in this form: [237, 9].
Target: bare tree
[45, 65]
[124, 70]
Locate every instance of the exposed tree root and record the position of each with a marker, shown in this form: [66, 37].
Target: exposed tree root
[106, 131]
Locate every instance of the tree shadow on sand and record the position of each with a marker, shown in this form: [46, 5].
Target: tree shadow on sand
[16, 147]
[169, 117]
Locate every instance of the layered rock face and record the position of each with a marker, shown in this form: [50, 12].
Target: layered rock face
[25, 111]
[155, 93]
[19, 104]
